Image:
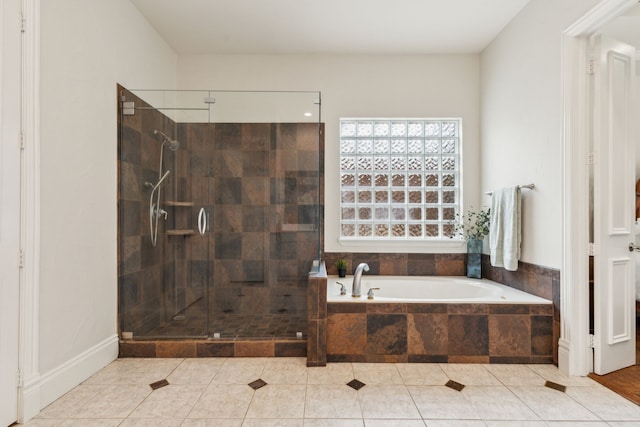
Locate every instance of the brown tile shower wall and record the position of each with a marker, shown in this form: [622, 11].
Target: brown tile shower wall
[264, 178]
[538, 327]
[141, 267]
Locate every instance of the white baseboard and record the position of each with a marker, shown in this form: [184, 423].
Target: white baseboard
[48, 387]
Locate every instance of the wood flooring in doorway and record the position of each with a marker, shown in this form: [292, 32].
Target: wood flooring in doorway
[625, 382]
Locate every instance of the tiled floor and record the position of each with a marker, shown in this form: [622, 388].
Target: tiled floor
[215, 392]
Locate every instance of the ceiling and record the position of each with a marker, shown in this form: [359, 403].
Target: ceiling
[328, 26]
[626, 27]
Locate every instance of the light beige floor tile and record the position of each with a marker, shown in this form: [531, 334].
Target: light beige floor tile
[333, 422]
[387, 401]
[135, 371]
[497, 403]
[394, 423]
[515, 374]
[285, 371]
[422, 374]
[377, 373]
[278, 401]
[211, 422]
[605, 403]
[93, 423]
[469, 374]
[511, 423]
[239, 371]
[43, 422]
[223, 401]
[172, 401]
[440, 402]
[619, 424]
[552, 405]
[552, 373]
[582, 424]
[115, 401]
[333, 373]
[196, 371]
[273, 422]
[457, 423]
[147, 422]
[332, 401]
[71, 402]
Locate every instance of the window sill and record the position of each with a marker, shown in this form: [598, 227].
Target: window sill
[415, 246]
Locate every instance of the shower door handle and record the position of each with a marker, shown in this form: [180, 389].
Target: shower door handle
[202, 221]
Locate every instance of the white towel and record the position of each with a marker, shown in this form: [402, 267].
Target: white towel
[504, 229]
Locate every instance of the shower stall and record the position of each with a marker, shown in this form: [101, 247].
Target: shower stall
[219, 212]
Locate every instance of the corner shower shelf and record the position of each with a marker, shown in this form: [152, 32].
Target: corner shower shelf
[180, 232]
[175, 203]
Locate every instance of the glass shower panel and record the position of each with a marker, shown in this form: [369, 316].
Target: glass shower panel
[163, 184]
[220, 212]
[265, 157]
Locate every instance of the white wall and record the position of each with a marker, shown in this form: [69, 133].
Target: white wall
[522, 120]
[87, 46]
[357, 86]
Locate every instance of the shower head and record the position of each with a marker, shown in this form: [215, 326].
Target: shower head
[173, 143]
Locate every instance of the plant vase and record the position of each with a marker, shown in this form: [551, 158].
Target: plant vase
[342, 272]
[474, 258]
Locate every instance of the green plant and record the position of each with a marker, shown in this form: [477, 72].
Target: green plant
[341, 264]
[474, 224]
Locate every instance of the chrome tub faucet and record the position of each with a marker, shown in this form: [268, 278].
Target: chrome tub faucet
[357, 277]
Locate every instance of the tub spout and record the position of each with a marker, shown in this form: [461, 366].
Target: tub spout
[357, 277]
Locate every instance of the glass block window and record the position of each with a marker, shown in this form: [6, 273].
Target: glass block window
[399, 178]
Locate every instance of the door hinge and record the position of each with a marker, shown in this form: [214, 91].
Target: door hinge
[590, 158]
[23, 24]
[591, 67]
[21, 138]
[592, 249]
[20, 378]
[20, 258]
[592, 341]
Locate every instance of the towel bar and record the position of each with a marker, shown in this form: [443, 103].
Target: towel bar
[529, 186]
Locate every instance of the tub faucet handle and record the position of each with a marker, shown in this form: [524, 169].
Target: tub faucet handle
[343, 288]
[370, 294]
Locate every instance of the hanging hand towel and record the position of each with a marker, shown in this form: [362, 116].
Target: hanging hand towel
[504, 229]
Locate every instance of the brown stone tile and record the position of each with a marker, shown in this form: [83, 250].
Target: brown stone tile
[468, 359]
[427, 334]
[428, 358]
[291, 349]
[346, 307]
[509, 335]
[468, 335]
[508, 309]
[312, 340]
[387, 334]
[510, 359]
[346, 333]
[312, 298]
[393, 265]
[421, 265]
[322, 298]
[541, 309]
[176, 349]
[541, 335]
[450, 264]
[215, 349]
[468, 308]
[387, 358]
[137, 349]
[360, 358]
[254, 349]
[427, 308]
[542, 360]
[386, 308]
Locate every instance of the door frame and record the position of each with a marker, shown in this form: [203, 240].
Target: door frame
[574, 348]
